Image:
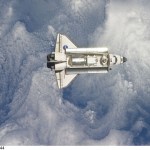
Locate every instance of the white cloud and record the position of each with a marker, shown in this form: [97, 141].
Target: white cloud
[99, 109]
[126, 33]
[6, 15]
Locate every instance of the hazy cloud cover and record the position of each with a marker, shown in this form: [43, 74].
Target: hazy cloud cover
[99, 109]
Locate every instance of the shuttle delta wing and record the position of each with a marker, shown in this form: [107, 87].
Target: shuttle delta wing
[64, 80]
[63, 42]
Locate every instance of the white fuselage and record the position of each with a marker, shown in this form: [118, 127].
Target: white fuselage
[86, 60]
[68, 60]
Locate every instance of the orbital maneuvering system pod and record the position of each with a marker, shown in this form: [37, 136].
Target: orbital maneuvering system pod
[68, 61]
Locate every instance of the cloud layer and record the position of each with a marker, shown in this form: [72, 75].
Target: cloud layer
[110, 109]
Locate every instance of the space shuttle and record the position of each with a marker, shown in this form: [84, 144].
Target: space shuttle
[68, 61]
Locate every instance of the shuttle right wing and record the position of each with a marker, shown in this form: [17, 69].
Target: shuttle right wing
[64, 80]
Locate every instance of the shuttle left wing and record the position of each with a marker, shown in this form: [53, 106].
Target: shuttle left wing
[62, 41]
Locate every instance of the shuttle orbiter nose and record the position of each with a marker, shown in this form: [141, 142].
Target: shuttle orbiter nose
[124, 59]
